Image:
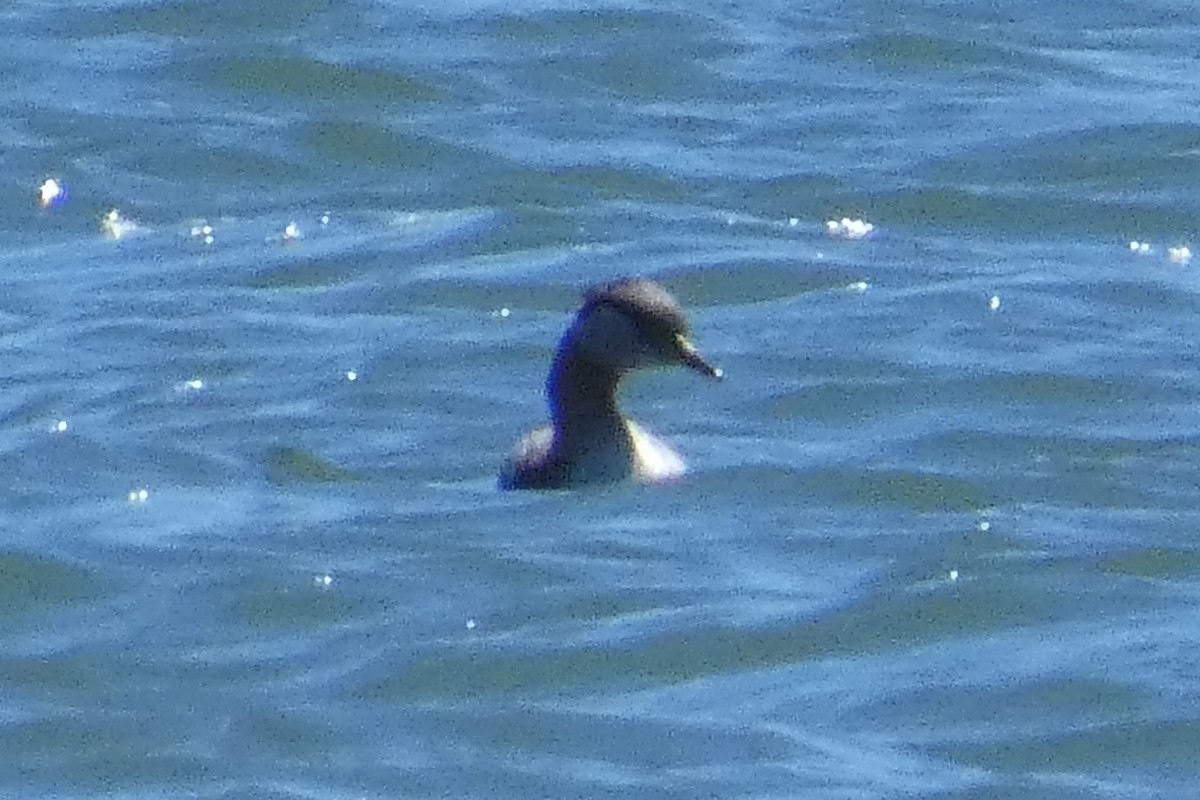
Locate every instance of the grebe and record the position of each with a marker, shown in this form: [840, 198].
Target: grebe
[622, 326]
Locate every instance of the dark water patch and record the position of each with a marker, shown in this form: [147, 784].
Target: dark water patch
[1147, 744]
[340, 142]
[684, 36]
[292, 465]
[184, 20]
[813, 197]
[540, 732]
[1043, 389]
[101, 753]
[1083, 700]
[627, 183]
[1007, 446]
[787, 485]
[124, 153]
[70, 675]
[829, 388]
[1160, 302]
[1133, 160]
[723, 282]
[1029, 210]
[913, 491]
[446, 676]
[285, 734]
[306, 80]
[307, 274]
[906, 52]
[31, 582]
[1096, 487]
[568, 183]
[1155, 563]
[487, 295]
[222, 165]
[627, 73]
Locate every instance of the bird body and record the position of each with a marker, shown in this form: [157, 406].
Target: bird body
[622, 326]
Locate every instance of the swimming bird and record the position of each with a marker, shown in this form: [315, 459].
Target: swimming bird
[622, 326]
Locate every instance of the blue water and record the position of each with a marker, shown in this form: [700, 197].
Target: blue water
[939, 536]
